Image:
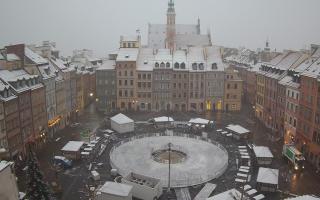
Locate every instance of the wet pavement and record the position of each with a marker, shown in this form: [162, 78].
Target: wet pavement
[75, 182]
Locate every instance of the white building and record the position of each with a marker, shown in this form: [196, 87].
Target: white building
[267, 179]
[263, 155]
[114, 191]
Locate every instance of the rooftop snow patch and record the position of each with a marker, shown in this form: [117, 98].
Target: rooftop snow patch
[262, 152]
[238, 129]
[121, 119]
[268, 175]
[117, 189]
[72, 146]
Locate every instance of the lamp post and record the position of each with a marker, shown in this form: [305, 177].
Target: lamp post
[168, 189]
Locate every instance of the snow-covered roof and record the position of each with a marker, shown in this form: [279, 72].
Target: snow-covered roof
[58, 63]
[128, 54]
[117, 189]
[4, 164]
[163, 119]
[238, 129]
[72, 146]
[107, 65]
[268, 175]
[304, 197]
[227, 195]
[198, 121]
[121, 119]
[158, 33]
[34, 57]
[262, 152]
[186, 40]
[145, 60]
[130, 38]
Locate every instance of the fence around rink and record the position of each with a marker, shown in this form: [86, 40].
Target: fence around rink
[180, 180]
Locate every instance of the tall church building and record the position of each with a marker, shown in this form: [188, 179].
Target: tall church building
[176, 36]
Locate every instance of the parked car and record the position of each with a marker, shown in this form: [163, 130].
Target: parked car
[62, 162]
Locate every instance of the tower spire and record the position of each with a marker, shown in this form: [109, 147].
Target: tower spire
[171, 23]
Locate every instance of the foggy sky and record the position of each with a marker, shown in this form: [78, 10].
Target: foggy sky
[98, 24]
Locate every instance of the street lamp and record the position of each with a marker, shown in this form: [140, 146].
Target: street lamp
[91, 94]
[169, 175]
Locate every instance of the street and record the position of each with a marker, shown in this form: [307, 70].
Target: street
[75, 182]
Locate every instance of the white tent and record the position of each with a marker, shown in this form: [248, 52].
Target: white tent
[122, 123]
[114, 191]
[163, 119]
[239, 131]
[267, 179]
[227, 195]
[198, 121]
[263, 155]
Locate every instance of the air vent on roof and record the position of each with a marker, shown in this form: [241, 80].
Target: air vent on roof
[127, 56]
[145, 62]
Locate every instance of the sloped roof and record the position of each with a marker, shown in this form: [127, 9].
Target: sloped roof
[117, 189]
[121, 119]
[34, 57]
[268, 175]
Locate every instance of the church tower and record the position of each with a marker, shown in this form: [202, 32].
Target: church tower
[171, 28]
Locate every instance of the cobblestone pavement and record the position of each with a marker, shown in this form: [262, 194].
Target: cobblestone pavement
[75, 182]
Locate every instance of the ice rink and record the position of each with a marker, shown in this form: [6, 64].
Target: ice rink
[205, 160]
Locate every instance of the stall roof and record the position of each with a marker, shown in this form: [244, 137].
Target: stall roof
[304, 197]
[227, 195]
[268, 175]
[262, 152]
[163, 119]
[238, 129]
[198, 121]
[72, 146]
[121, 119]
[117, 189]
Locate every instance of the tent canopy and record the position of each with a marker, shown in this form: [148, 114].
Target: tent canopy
[121, 119]
[73, 146]
[198, 121]
[262, 152]
[268, 175]
[163, 119]
[237, 129]
[117, 189]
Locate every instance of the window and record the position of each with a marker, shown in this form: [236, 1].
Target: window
[120, 93]
[235, 86]
[120, 82]
[125, 73]
[194, 66]
[176, 65]
[156, 65]
[214, 66]
[149, 76]
[201, 66]
[183, 65]
[139, 76]
[131, 73]
[125, 82]
[131, 82]
[162, 65]
[167, 65]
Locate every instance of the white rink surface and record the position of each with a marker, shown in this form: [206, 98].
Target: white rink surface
[205, 161]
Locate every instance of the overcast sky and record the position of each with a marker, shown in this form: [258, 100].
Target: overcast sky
[98, 24]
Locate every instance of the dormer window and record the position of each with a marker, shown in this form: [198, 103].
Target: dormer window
[127, 56]
[145, 62]
[194, 66]
[176, 65]
[156, 65]
[162, 65]
[183, 65]
[214, 66]
[201, 66]
[167, 65]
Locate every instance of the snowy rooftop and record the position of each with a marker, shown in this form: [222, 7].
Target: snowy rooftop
[130, 38]
[34, 57]
[227, 195]
[117, 189]
[198, 121]
[304, 197]
[4, 164]
[237, 128]
[313, 70]
[163, 119]
[262, 152]
[121, 119]
[72, 146]
[268, 175]
[128, 54]
[145, 60]
[186, 40]
[58, 63]
[107, 65]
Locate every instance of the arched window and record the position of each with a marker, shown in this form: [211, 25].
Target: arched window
[183, 65]
[201, 66]
[167, 65]
[156, 65]
[162, 65]
[194, 66]
[176, 65]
